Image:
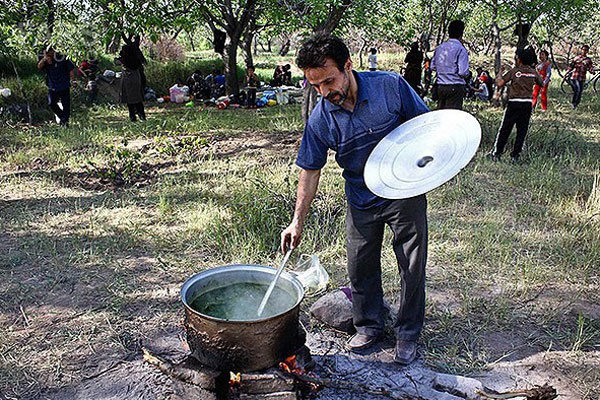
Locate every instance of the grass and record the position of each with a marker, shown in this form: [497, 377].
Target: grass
[93, 270]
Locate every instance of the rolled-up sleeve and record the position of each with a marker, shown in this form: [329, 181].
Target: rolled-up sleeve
[313, 151]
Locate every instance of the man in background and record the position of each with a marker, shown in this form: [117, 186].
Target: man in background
[59, 71]
[578, 68]
[451, 62]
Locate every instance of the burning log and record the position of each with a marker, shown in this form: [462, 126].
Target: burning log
[545, 392]
[312, 383]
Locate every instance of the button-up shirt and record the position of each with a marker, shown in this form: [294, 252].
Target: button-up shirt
[384, 101]
[451, 62]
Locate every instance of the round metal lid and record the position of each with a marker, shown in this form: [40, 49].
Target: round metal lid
[422, 154]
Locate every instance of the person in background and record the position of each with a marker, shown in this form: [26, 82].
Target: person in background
[198, 86]
[252, 85]
[286, 79]
[578, 68]
[544, 68]
[426, 76]
[451, 63]
[219, 84]
[414, 60]
[59, 71]
[278, 74]
[132, 91]
[373, 59]
[518, 111]
[481, 90]
[88, 70]
[347, 120]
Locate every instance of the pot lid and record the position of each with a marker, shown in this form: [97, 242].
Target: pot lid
[422, 154]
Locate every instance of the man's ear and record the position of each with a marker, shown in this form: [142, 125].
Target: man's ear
[348, 65]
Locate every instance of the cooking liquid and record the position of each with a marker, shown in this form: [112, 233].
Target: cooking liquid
[239, 301]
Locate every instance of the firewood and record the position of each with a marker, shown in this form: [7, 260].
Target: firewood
[264, 383]
[345, 385]
[185, 371]
[545, 392]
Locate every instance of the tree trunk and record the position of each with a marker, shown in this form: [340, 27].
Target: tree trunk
[50, 20]
[232, 86]
[361, 53]
[285, 48]
[247, 48]
[113, 45]
[309, 98]
[191, 39]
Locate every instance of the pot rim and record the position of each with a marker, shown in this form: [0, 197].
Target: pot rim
[232, 267]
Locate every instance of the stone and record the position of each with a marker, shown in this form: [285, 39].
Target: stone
[270, 396]
[335, 310]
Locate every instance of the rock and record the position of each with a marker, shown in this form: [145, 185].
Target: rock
[460, 386]
[335, 310]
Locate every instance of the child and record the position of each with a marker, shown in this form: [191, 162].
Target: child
[518, 111]
[544, 68]
[252, 84]
[373, 59]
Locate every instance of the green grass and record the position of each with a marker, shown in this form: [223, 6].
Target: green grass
[514, 249]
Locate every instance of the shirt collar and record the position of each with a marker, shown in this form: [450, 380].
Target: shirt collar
[361, 96]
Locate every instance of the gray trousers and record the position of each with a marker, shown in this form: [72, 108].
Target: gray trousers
[364, 236]
[451, 96]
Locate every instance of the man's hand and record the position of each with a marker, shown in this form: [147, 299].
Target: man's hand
[291, 236]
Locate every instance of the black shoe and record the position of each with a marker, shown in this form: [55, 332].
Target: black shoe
[514, 159]
[361, 342]
[406, 351]
[493, 156]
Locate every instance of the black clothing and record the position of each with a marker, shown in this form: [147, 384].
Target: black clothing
[450, 96]
[136, 109]
[516, 113]
[364, 234]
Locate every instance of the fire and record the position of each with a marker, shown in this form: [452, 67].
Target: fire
[290, 366]
[235, 379]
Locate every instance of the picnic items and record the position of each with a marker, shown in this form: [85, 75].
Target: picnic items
[422, 154]
[178, 94]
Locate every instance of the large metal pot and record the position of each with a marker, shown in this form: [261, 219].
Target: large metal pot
[228, 345]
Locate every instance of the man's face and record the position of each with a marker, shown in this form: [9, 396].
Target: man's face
[50, 54]
[330, 82]
[584, 51]
[543, 56]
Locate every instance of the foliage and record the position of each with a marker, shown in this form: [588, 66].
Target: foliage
[165, 49]
[123, 166]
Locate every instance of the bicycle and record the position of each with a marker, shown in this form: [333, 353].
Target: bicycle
[594, 81]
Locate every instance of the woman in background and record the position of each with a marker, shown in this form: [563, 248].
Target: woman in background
[132, 90]
[544, 68]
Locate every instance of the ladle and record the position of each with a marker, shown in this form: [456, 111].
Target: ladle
[263, 303]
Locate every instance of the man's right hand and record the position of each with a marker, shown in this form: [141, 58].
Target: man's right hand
[291, 236]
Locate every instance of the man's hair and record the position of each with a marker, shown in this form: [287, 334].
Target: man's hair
[545, 52]
[586, 47]
[287, 67]
[456, 29]
[373, 50]
[316, 50]
[526, 55]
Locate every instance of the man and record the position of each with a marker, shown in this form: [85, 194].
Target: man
[522, 78]
[578, 68]
[59, 71]
[451, 62]
[357, 111]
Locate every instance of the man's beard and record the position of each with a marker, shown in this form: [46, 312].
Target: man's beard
[338, 97]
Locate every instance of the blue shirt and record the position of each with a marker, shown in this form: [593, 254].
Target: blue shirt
[451, 62]
[59, 75]
[220, 80]
[384, 101]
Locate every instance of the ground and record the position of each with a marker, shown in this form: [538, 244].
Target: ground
[102, 222]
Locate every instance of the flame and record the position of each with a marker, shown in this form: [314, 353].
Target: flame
[235, 379]
[290, 366]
